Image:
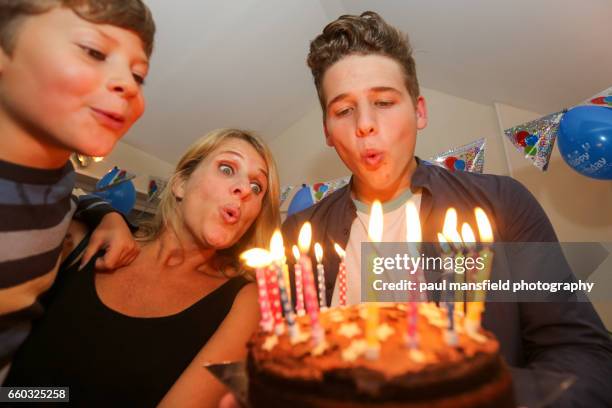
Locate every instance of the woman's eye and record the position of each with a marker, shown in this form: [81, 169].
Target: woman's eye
[227, 170]
[93, 53]
[256, 188]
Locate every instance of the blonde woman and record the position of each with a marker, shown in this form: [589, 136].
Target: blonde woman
[139, 336]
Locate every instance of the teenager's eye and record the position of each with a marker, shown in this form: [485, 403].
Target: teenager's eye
[227, 170]
[344, 112]
[139, 79]
[256, 188]
[93, 53]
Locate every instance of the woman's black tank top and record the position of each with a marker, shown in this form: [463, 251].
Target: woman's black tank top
[107, 358]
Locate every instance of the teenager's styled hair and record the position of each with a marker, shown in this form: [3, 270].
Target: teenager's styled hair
[260, 232]
[365, 34]
[131, 15]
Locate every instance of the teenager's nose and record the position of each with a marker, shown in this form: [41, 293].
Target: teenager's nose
[366, 123]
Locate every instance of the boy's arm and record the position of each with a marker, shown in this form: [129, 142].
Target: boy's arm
[562, 335]
[111, 232]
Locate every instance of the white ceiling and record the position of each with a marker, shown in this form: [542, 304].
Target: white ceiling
[241, 63]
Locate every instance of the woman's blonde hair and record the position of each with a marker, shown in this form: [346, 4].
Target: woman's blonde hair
[259, 233]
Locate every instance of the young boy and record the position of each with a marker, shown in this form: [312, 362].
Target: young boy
[71, 75]
[372, 110]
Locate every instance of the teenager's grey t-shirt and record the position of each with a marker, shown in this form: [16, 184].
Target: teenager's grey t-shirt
[394, 230]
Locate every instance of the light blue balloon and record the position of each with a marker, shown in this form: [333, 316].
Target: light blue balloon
[585, 141]
[301, 200]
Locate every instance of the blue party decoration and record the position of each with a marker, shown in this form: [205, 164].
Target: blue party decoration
[301, 200]
[118, 191]
[585, 140]
[531, 140]
[460, 165]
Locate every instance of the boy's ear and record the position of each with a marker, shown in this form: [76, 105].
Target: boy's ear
[328, 139]
[421, 113]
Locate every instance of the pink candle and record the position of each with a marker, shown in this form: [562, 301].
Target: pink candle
[341, 276]
[312, 306]
[299, 290]
[274, 296]
[413, 238]
[260, 259]
[264, 304]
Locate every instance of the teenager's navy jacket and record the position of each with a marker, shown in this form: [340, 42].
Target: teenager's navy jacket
[560, 335]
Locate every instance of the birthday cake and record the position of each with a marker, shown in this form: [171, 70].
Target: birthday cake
[433, 367]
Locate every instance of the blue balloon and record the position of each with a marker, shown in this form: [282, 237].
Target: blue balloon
[121, 196]
[585, 141]
[301, 200]
[531, 140]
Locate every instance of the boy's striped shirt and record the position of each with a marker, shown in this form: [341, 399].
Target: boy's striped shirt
[36, 207]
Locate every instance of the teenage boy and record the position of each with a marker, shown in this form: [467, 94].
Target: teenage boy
[366, 81]
[71, 73]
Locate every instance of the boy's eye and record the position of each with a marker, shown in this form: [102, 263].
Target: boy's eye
[139, 79]
[256, 188]
[93, 53]
[384, 103]
[227, 170]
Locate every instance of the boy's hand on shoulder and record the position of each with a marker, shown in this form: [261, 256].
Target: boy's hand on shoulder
[114, 236]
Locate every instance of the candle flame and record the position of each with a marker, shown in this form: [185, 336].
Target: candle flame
[450, 228]
[468, 235]
[413, 224]
[375, 227]
[484, 227]
[277, 249]
[450, 222]
[339, 250]
[256, 257]
[318, 252]
[296, 252]
[443, 243]
[305, 237]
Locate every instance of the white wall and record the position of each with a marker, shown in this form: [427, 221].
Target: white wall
[132, 160]
[579, 208]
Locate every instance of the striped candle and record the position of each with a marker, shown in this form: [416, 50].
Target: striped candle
[299, 283]
[341, 275]
[310, 293]
[260, 259]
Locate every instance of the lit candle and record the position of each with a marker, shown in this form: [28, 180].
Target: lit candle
[469, 241]
[274, 297]
[277, 252]
[285, 269]
[260, 259]
[413, 238]
[451, 336]
[299, 283]
[341, 275]
[473, 320]
[375, 232]
[320, 276]
[450, 233]
[310, 292]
